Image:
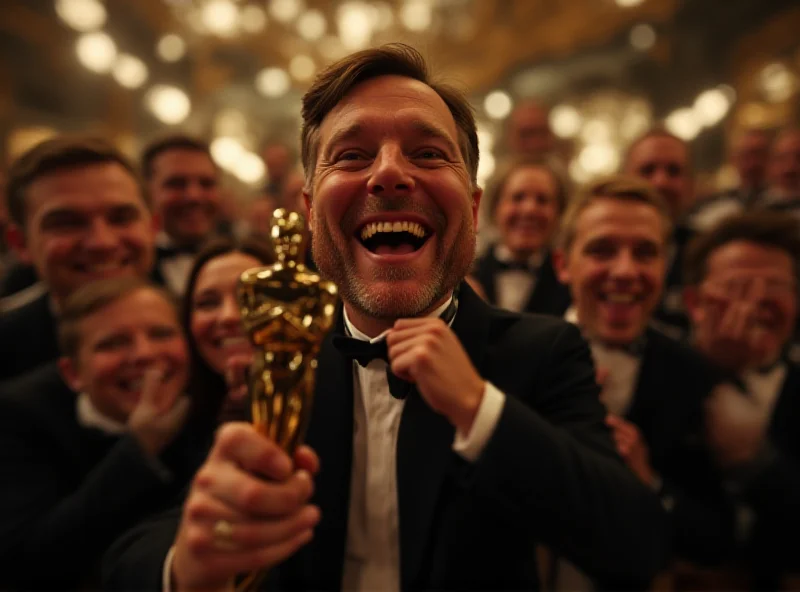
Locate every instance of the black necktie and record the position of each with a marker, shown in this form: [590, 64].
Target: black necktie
[364, 352]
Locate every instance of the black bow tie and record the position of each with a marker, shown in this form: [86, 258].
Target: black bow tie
[515, 266]
[365, 352]
[175, 251]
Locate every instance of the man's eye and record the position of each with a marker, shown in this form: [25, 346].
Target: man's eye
[350, 155]
[429, 154]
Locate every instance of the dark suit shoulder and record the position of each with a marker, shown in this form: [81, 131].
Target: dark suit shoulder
[40, 395]
[27, 338]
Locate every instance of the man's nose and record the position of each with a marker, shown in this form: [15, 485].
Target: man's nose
[101, 236]
[624, 265]
[390, 173]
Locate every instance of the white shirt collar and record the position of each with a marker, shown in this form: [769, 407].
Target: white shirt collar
[571, 316]
[89, 417]
[363, 337]
[163, 240]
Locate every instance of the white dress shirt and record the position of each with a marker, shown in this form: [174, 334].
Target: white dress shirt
[623, 371]
[765, 387]
[372, 555]
[89, 417]
[372, 550]
[174, 270]
[513, 288]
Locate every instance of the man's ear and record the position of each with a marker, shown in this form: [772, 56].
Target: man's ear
[69, 372]
[560, 266]
[477, 194]
[15, 237]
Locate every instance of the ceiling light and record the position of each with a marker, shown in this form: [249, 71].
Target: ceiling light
[497, 104]
[220, 17]
[226, 151]
[355, 24]
[129, 71]
[565, 121]
[416, 15]
[597, 159]
[249, 168]
[711, 107]
[628, 3]
[82, 15]
[485, 138]
[252, 19]
[273, 82]
[486, 168]
[312, 25]
[382, 14]
[230, 122]
[285, 11]
[171, 48]
[642, 37]
[302, 68]
[168, 103]
[96, 51]
[597, 131]
[683, 123]
[777, 82]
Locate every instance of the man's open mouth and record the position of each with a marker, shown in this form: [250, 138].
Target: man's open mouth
[397, 237]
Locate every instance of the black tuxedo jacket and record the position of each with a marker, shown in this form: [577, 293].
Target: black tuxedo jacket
[549, 474]
[28, 338]
[68, 491]
[549, 296]
[668, 408]
[772, 492]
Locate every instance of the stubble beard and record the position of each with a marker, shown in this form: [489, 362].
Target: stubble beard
[335, 260]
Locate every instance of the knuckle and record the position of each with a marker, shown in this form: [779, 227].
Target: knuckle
[196, 540]
[250, 496]
[204, 478]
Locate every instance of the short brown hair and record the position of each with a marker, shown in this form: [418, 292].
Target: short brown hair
[500, 178]
[656, 132]
[58, 154]
[619, 187]
[393, 59]
[167, 143]
[93, 297]
[765, 228]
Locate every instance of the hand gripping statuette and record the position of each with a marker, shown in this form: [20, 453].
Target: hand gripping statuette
[287, 310]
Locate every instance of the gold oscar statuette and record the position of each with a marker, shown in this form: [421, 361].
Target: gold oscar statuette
[287, 310]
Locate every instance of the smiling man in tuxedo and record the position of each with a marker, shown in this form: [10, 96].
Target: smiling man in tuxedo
[496, 442]
[612, 254]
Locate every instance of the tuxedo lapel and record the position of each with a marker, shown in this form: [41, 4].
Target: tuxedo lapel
[549, 296]
[783, 424]
[486, 272]
[330, 434]
[424, 447]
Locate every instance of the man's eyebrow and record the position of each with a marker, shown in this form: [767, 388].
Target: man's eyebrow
[429, 130]
[342, 135]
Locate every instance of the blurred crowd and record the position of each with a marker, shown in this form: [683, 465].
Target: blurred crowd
[118, 276]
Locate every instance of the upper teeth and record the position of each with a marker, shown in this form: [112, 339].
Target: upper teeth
[102, 267]
[621, 298]
[412, 227]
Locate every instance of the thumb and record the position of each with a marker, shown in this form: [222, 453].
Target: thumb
[150, 391]
[175, 417]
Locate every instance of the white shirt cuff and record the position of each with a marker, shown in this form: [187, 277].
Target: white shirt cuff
[166, 573]
[470, 446]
